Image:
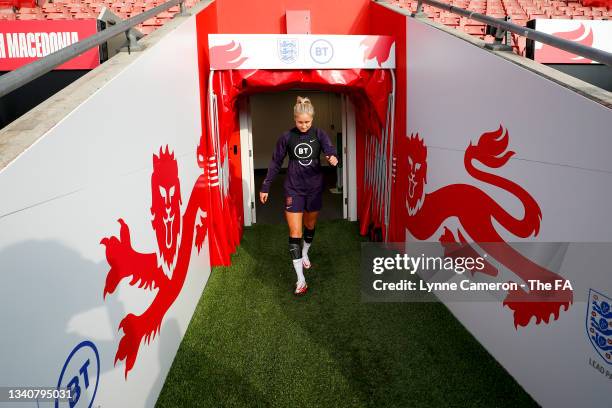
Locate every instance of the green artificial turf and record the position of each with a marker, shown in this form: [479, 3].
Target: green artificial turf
[252, 343]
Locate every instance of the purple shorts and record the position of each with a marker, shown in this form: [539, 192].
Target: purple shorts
[299, 203]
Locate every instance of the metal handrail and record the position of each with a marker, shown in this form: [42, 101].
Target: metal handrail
[569, 46]
[21, 76]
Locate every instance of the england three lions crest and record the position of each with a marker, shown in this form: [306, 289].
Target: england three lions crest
[599, 324]
[287, 50]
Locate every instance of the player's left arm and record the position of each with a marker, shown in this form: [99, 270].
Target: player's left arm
[329, 150]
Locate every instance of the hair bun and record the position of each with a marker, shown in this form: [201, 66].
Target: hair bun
[303, 99]
[303, 105]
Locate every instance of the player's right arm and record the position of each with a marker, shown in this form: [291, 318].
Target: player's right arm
[275, 164]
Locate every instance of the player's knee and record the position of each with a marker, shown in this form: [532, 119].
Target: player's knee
[294, 248]
[308, 234]
[295, 231]
[309, 224]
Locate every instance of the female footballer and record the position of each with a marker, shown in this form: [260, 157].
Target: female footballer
[303, 184]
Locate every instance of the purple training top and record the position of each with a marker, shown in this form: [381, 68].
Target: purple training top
[304, 174]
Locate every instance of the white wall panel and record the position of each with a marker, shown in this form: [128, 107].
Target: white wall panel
[456, 92]
[65, 193]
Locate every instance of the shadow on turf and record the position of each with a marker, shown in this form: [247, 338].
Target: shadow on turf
[187, 391]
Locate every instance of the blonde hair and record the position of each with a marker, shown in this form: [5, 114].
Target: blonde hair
[303, 105]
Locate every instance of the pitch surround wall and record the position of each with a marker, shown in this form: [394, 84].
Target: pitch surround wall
[561, 142]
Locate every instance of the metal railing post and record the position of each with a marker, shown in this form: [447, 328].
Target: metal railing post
[419, 11]
[498, 45]
[182, 10]
[131, 43]
[508, 33]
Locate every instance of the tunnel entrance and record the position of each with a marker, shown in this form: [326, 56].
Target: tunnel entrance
[367, 105]
[264, 117]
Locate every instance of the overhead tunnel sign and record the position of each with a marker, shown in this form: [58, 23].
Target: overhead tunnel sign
[300, 51]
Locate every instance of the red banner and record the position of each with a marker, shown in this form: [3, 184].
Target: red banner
[597, 3]
[592, 33]
[22, 42]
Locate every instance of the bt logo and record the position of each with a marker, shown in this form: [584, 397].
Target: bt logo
[321, 51]
[80, 376]
[303, 151]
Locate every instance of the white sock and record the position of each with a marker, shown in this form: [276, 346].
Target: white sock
[297, 265]
[305, 247]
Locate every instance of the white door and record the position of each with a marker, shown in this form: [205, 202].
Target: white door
[246, 159]
[349, 160]
[348, 155]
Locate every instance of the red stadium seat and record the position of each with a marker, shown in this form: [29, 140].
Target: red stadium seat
[52, 8]
[150, 22]
[29, 10]
[450, 21]
[78, 8]
[30, 17]
[59, 16]
[147, 29]
[474, 30]
[84, 15]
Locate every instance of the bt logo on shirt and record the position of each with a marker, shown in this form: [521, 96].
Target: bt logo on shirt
[303, 152]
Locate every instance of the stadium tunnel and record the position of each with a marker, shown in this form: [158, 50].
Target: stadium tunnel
[366, 97]
[174, 169]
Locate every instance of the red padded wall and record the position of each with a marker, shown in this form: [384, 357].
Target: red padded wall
[268, 17]
[387, 22]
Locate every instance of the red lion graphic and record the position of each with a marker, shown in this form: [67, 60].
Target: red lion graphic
[164, 270]
[475, 210]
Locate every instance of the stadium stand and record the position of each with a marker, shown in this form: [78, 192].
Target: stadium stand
[519, 11]
[86, 9]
